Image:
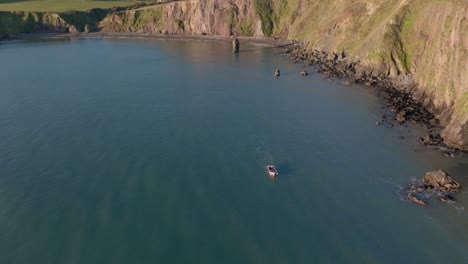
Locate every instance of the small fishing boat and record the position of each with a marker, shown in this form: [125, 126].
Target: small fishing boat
[272, 170]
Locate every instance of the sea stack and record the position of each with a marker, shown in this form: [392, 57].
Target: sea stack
[235, 45]
[277, 73]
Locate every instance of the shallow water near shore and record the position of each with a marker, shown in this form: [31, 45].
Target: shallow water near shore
[145, 151]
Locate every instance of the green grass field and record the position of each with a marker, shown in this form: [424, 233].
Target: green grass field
[59, 5]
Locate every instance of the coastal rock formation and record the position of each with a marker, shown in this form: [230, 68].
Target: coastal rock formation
[441, 181]
[415, 199]
[277, 73]
[235, 45]
[431, 140]
[446, 198]
[434, 183]
[72, 29]
[87, 28]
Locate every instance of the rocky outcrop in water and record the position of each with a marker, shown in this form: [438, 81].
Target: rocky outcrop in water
[434, 183]
[88, 28]
[431, 140]
[277, 73]
[440, 181]
[415, 199]
[235, 45]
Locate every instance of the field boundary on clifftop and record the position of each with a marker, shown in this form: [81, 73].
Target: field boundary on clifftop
[61, 5]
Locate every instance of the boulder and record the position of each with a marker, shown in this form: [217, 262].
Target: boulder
[347, 83]
[441, 181]
[431, 140]
[304, 73]
[400, 118]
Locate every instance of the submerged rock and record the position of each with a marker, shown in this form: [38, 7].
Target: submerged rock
[421, 188]
[447, 198]
[415, 199]
[443, 199]
[449, 154]
[441, 181]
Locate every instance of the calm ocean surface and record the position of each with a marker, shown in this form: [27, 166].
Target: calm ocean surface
[154, 151]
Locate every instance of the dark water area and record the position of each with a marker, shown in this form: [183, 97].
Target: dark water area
[154, 151]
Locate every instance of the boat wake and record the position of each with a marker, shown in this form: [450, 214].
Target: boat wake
[262, 149]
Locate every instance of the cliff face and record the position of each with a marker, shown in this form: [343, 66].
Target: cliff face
[428, 39]
[38, 22]
[425, 38]
[208, 17]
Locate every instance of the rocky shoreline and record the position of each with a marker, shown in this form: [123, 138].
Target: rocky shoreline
[396, 91]
[6, 37]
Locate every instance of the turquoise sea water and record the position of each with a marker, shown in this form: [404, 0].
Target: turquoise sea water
[154, 151]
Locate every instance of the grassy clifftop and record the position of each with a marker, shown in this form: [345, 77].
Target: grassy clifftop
[59, 5]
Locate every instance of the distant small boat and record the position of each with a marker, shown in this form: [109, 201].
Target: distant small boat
[272, 170]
